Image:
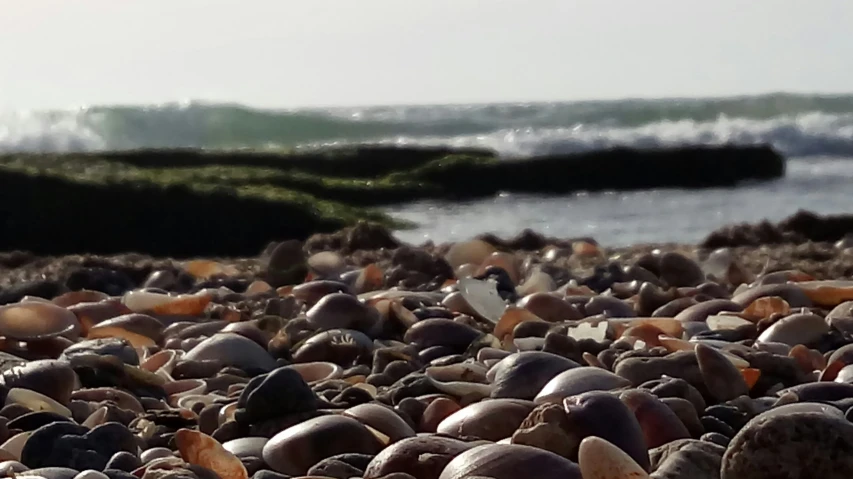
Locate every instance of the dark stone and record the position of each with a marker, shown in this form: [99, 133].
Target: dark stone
[117, 347]
[677, 270]
[108, 371]
[417, 259]
[713, 424]
[41, 289]
[267, 474]
[124, 461]
[342, 466]
[114, 283]
[687, 458]
[279, 393]
[786, 442]
[284, 263]
[118, 474]
[54, 379]
[798, 228]
[34, 420]
[65, 444]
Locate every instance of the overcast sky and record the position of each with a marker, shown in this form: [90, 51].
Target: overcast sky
[281, 53]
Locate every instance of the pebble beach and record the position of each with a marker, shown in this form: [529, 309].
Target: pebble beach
[356, 355]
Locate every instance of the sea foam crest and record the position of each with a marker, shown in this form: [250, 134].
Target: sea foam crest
[795, 125]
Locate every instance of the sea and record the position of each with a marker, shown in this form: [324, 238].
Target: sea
[815, 132]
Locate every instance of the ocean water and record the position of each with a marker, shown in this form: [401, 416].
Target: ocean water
[814, 131]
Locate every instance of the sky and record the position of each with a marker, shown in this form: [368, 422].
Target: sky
[288, 53]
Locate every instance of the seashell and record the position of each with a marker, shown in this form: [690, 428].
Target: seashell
[206, 269]
[184, 387]
[483, 297]
[326, 264]
[537, 282]
[227, 413]
[586, 330]
[162, 360]
[722, 322]
[72, 298]
[467, 371]
[491, 420]
[121, 398]
[96, 418]
[490, 354]
[202, 450]
[474, 252]
[314, 372]
[91, 474]
[462, 389]
[35, 401]
[371, 389]
[15, 444]
[600, 459]
[800, 328]
[577, 381]
[764, 307]
[382, 419]
[37, 321]
[510, 461]
[140, 330]
[512, 317]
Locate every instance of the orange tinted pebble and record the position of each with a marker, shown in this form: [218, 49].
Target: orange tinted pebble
[186, 306]
[762, 308]
[512, 317]
[828, 293]
[830, 372]
[371, 279]
[750, 375]
[204, 269]
[584, 248]
[437, 411]
[202, 450]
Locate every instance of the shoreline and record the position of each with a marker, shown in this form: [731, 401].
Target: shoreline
[189, 202]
